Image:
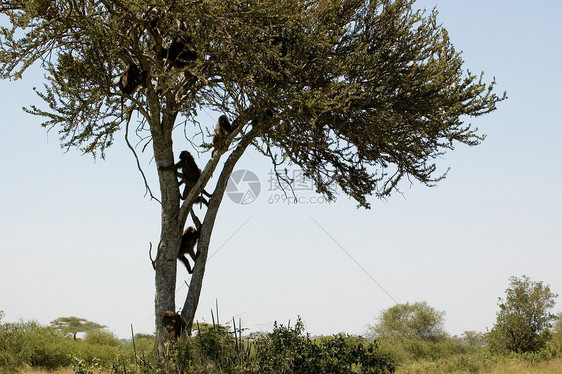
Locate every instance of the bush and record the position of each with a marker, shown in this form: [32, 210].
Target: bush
[212, 349]
[12, 343]
[102, 337]
[215, 349]
[417, 321]
[289, 350]
[48, 349]
[36, 346]
[28, 343]
[143, 347]
[407, 350]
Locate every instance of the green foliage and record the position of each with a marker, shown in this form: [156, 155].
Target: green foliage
[36, 346]
[407, 350]
[99, 348]
[289, 350]
[216, 343]
[102, 337]
[417, 321]
[523, 321]
[143, 347]
[214, 349]
[554, 345]
[28, 343]
[343, 89]
[80, 366]
[213, 346]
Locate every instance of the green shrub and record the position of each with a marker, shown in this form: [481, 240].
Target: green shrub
[143, 347]
[102, 337]
[406, 350]
[289, 350]
[213, 349]
[28, 343]
[99, 349]
[12, 343]
[48, 349]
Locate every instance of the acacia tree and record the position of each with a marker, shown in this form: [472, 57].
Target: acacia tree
[74, 325]
[359, 94]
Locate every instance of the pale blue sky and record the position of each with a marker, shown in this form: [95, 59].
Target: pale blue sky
[74, 233]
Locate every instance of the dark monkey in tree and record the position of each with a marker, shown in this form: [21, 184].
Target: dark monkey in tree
[131, 79]
[181, 52]
[153, 17]
[174, 324]
[189, 175]
[222, 130]
[188, 241]
[187, 247]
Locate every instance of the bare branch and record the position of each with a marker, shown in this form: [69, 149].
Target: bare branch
[150, 256]
[148, 190]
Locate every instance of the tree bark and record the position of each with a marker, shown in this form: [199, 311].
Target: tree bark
[170, 236]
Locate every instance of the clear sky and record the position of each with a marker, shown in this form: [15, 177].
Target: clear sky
[74, 232]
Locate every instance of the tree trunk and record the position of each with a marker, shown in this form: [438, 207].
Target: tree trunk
[165, 282]
[196, 282]
[170, 236]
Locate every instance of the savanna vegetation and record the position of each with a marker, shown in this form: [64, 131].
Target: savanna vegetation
[406, 338]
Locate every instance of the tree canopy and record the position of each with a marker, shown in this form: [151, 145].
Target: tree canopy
[357, 93]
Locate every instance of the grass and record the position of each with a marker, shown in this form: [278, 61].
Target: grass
[67, 370]
[546, 367]
[513, 367]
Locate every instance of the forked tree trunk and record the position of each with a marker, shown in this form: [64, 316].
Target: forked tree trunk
[196, 283]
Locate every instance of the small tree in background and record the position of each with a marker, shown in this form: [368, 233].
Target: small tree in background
[474, 338]
[74, 325]
[410, 321]
[524, 318]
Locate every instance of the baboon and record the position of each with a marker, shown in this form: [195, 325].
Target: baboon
[131, 79]
[188, 241]
[153, 17]
[222, 130]
[174, 324]
[189, 175]
[181, 52]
